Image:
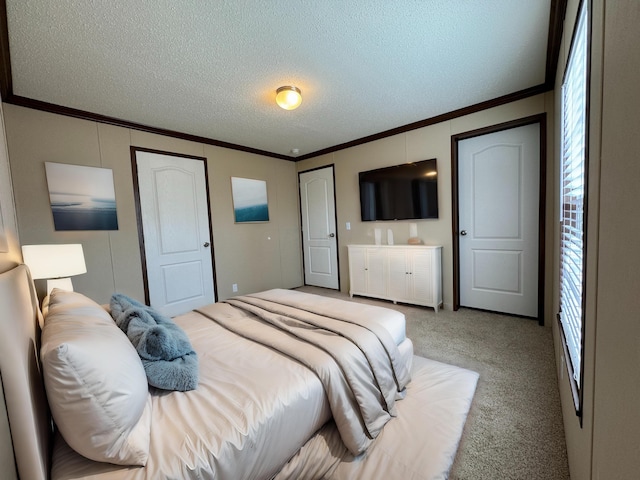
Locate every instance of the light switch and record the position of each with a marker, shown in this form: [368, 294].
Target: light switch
[348, 225]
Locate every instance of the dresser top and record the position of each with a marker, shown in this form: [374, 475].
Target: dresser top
[402, 245]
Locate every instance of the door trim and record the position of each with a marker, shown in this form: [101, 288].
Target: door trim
[541, 119]
[335, 214]
[136, 197]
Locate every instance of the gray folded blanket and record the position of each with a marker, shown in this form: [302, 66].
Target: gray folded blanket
[165, 350]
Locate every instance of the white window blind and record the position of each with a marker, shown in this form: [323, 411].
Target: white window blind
[572, 195]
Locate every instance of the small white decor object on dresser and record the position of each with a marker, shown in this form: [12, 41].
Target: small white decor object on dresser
[400, 273]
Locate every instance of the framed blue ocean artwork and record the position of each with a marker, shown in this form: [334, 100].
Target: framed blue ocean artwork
[82, 198]
[250, 202]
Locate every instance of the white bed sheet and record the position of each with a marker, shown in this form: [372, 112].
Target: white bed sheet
[261, 415]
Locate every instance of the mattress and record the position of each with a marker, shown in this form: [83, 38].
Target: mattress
[243, 421]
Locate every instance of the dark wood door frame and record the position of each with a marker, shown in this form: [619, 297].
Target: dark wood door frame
[335, 213]
[136, 197]
[455, 206]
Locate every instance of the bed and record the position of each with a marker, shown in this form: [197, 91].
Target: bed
[259, 411]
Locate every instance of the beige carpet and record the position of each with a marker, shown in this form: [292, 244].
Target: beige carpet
[514, 429]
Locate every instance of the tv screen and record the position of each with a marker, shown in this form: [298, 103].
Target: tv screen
[402, 192]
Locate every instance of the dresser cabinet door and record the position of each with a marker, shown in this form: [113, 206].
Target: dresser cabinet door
[357, 270]
[399, 276]
[421, 276]
[376, 272]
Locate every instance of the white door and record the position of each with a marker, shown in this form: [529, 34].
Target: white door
[498, 185]
[319, 240]
[175, 224]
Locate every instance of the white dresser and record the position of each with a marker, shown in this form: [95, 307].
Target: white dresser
[400, 273]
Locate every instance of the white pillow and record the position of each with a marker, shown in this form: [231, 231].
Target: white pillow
[95, 382]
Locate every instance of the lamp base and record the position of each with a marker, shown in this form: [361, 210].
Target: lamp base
[61, 283]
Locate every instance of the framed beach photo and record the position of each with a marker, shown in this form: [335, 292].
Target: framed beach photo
[249, 200]
[82, 198]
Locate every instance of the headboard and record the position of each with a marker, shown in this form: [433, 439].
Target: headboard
[20, 369]
[7, 459]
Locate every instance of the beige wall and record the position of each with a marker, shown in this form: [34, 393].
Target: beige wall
[616, 423]
[429, 142]
[255, 256]
[9, 257]
[10, 254]
[607, 445]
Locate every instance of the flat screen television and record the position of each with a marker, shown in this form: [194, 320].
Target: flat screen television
[401, 192]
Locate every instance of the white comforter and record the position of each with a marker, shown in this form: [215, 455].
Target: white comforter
[252, 411]
[356, 359]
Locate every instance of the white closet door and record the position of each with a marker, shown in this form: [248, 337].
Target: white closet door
[320, 243]
[175, 223]
[499, 178]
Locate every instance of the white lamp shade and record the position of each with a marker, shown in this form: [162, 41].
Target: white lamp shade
[54, 261]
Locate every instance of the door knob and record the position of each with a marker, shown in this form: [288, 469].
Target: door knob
[206, 244]
[332, 235]
[463, 233]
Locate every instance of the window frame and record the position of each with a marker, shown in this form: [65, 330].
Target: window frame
[577, 384]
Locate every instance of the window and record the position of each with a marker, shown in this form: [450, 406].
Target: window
[573, 181]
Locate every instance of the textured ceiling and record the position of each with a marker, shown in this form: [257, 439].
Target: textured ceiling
[211, 68]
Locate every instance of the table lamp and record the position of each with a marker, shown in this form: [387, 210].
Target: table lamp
[56, 263]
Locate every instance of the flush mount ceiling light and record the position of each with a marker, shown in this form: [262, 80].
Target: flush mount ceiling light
[288, 97]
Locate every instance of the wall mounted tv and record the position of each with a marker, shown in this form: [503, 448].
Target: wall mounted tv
[402, 192]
